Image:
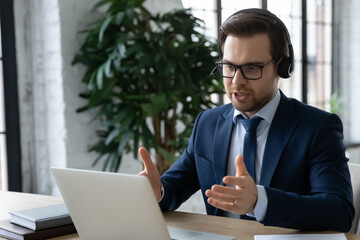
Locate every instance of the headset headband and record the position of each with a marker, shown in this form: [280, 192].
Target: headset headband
[268, 14]
[286, 66]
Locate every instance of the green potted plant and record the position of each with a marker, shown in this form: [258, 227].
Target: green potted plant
[147, 76]
[337, 103]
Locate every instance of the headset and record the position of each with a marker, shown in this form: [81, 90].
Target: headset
[286, 65]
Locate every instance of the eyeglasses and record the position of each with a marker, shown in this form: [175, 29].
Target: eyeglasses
[248, 71]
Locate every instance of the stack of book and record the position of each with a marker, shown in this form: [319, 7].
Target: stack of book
[37, 223]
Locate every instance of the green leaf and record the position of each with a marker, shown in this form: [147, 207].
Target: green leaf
[117, 64]
[136, 97]
[124, 140]
[99, 77]
[108, 72]
[337, 103]
[121, 48]
[91, 82]
[133, 49]
[136, 143]
[107, 161]
[119, 17]
[99, 4]
[104, 27]
[130, 13]
[157, 104]
[97, 160]
[147, 137]
[115, 163]
[125, 123]
[168, 156]
[114, 133]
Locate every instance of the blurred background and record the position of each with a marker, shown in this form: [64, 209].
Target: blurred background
[39, 86]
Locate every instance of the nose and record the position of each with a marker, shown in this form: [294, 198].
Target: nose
[238, 79]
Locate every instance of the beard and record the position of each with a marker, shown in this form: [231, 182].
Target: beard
[252, 103]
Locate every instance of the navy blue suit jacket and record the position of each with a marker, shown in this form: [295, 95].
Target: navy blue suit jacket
[304, 171]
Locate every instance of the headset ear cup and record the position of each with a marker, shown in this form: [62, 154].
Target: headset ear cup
[285, 68]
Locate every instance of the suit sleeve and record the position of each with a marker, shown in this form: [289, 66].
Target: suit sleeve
[329, 205]
[181, 180]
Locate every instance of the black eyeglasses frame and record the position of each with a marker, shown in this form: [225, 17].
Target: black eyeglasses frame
[218, 68]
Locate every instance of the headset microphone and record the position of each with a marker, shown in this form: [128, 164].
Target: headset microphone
[213, 72]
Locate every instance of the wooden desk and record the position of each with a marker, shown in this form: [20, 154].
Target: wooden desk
[241, 229]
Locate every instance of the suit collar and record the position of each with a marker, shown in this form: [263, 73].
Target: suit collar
[283, 125]
[221, 146]
[281, 129]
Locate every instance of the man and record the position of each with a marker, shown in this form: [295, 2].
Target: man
[298, 177]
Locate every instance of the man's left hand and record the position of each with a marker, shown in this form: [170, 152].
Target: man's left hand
[241, 199]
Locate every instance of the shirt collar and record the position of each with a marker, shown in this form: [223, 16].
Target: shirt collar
[267, 112]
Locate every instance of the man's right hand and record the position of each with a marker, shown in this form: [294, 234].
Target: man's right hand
[151, 172]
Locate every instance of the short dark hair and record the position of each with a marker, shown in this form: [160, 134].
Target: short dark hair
[249, 24]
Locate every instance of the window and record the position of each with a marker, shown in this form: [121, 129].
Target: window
[290, 13]
[319, 52]
[9, 115]
[310, 26]
[3, 177]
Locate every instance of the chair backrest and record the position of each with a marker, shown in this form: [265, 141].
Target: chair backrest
[355, 180]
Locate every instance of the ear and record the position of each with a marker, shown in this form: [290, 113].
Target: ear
[276, 68]
[277, 63]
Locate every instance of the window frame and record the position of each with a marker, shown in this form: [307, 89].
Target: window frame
[11, 103]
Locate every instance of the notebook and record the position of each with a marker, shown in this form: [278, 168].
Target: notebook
[107, 205]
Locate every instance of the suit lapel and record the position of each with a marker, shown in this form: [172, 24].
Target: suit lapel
[281, 129]
[222, 143]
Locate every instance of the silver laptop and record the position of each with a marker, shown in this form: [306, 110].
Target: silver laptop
[107, 205]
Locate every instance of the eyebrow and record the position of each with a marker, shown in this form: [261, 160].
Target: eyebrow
[248, 63]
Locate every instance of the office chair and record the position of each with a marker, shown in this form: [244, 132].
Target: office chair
[355, 180]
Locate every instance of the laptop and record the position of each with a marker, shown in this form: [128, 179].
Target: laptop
[107, 205]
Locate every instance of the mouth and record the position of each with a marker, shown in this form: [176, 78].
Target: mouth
[240, 96]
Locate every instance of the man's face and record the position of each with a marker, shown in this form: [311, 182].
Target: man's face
[249, 96]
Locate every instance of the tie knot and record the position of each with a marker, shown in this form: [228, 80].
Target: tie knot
[250, 124]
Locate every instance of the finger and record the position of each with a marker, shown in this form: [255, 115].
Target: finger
[226, 206]
[225, 190]
[235, 181]
[235, 207]
[240, 166]
[145, 156]
[225, 195]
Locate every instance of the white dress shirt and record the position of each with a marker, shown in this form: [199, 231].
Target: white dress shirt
[236, 147]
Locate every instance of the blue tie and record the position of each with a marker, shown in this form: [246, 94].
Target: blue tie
[249, 150]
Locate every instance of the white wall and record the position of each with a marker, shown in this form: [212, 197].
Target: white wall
[346, 68]
[52, 133]
[39, 76]
[74, 17]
